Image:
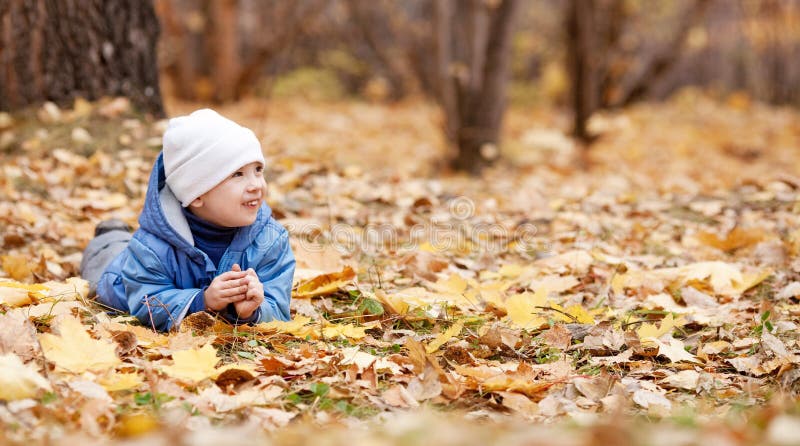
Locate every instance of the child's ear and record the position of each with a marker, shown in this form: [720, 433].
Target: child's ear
[196, 203]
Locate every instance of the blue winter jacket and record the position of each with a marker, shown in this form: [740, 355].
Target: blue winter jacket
[161, 275]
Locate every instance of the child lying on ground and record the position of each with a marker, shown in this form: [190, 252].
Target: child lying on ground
[206, 241]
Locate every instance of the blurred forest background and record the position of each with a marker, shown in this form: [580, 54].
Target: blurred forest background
[540, 209]
[467, 56]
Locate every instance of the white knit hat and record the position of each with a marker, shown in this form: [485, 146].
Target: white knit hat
[204, 148]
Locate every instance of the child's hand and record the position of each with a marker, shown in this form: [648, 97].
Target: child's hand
[254, 295]
[228, 287]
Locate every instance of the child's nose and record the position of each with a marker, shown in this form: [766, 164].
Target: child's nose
[254, 182]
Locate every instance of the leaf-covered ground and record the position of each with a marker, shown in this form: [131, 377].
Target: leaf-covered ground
[651, 299]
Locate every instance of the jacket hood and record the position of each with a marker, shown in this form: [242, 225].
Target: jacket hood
[162, 216]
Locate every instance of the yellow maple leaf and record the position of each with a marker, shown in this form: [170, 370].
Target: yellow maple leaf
[493, 292]
[16, 294]
[73, 350]
[120, 381]
[720, 275]
[193, 365]
[751, 279]
[655, 280]
[578, 313]
[347, 330]
[507, 271]
[454, 284]
[393, 304]
[523, 311]
[18, 380]
[420, 297]
[304, 327]
[445, 336]
[291, 327]
[324, 284]
[651, 331]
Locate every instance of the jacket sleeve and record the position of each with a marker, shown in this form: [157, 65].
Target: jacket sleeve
[151, 291]
[276, 271]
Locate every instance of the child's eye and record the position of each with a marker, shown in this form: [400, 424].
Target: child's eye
[237, 174]
[259, 169]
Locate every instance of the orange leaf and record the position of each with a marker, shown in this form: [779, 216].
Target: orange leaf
[17, 267]
[324, 284]
[735, 239]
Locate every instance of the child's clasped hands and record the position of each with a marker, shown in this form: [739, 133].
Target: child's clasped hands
[243, 289]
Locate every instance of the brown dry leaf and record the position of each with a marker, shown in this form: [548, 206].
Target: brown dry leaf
[126, 342]
[18, 335]
[274, 365]
[423, 264]
[595, 388]
[523, 379]
[324, 284]
[425, 385]
[650, 399]
[398, 396]
[558, 336]
[248, 398]
[232, 377]
[685, 379]
[514, 383]
[519, 403]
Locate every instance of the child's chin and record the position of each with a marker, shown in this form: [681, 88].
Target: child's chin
[249, 221]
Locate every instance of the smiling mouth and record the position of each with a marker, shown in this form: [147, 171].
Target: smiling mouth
[252, 203]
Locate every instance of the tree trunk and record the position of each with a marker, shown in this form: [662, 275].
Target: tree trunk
[473, 51]
[57, 50]
[224, 48]
[580, 35]
[211, 56]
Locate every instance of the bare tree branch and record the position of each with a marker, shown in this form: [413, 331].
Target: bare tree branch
[638, 83]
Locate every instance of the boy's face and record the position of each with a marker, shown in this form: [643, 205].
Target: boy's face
[235, 201]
